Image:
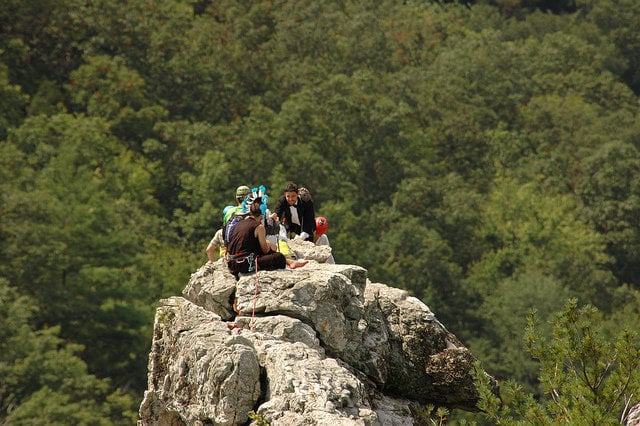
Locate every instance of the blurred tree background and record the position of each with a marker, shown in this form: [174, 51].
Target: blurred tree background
[483, 155]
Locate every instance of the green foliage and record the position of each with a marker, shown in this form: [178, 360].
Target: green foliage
[105, 87]
[503, 319]
[611, 194]
[79, 239]
[41, 41]
[587, 378]
[44, 380]
[615, 19]
[258, 419]
[481, 155]
[12, 103]
[526, 229]
[201, 197]
[430, 415]
[418, 259]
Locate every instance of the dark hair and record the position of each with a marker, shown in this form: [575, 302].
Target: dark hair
[291, 187]
[255, 209]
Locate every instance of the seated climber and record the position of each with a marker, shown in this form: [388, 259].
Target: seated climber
[242, 192]
[216, 243]
[249, 249]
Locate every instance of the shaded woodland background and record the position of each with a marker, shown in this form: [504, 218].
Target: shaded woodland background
[483, 155]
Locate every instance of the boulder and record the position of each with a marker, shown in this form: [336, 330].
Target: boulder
[318, 345]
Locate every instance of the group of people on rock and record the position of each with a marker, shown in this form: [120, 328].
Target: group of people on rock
[249, 248]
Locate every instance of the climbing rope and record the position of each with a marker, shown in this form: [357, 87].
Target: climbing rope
[255, 296]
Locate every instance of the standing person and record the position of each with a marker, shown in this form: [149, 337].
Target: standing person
[296, 214]
[249, 248]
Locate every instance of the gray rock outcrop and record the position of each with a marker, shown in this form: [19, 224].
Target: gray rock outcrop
[318, 345]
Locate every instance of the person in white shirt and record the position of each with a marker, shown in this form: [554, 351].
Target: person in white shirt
[295, 214]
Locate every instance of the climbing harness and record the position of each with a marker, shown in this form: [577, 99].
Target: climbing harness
[240, 258]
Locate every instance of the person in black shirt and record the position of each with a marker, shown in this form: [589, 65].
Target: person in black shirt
[296, 214]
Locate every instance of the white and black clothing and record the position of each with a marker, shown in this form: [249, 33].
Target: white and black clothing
[298, 218]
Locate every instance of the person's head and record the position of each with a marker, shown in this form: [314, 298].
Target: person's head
[255, 209]
[291, 193]
[321, 225]
[241, 192]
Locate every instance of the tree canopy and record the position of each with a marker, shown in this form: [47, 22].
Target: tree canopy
[482, 155]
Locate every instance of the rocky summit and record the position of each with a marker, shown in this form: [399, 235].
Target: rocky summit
[318, 345]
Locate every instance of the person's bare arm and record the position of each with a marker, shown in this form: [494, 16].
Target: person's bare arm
[261, 234]
[211, 248]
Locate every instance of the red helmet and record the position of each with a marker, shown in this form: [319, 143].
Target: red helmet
[321, 225]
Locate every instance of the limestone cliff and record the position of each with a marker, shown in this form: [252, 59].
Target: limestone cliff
[319, 345]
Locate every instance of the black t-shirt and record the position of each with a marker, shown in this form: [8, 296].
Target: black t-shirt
[243, 240]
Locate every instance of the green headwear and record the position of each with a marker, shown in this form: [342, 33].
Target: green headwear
[242, 191]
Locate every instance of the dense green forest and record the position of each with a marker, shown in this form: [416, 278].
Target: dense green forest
[483, 155]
